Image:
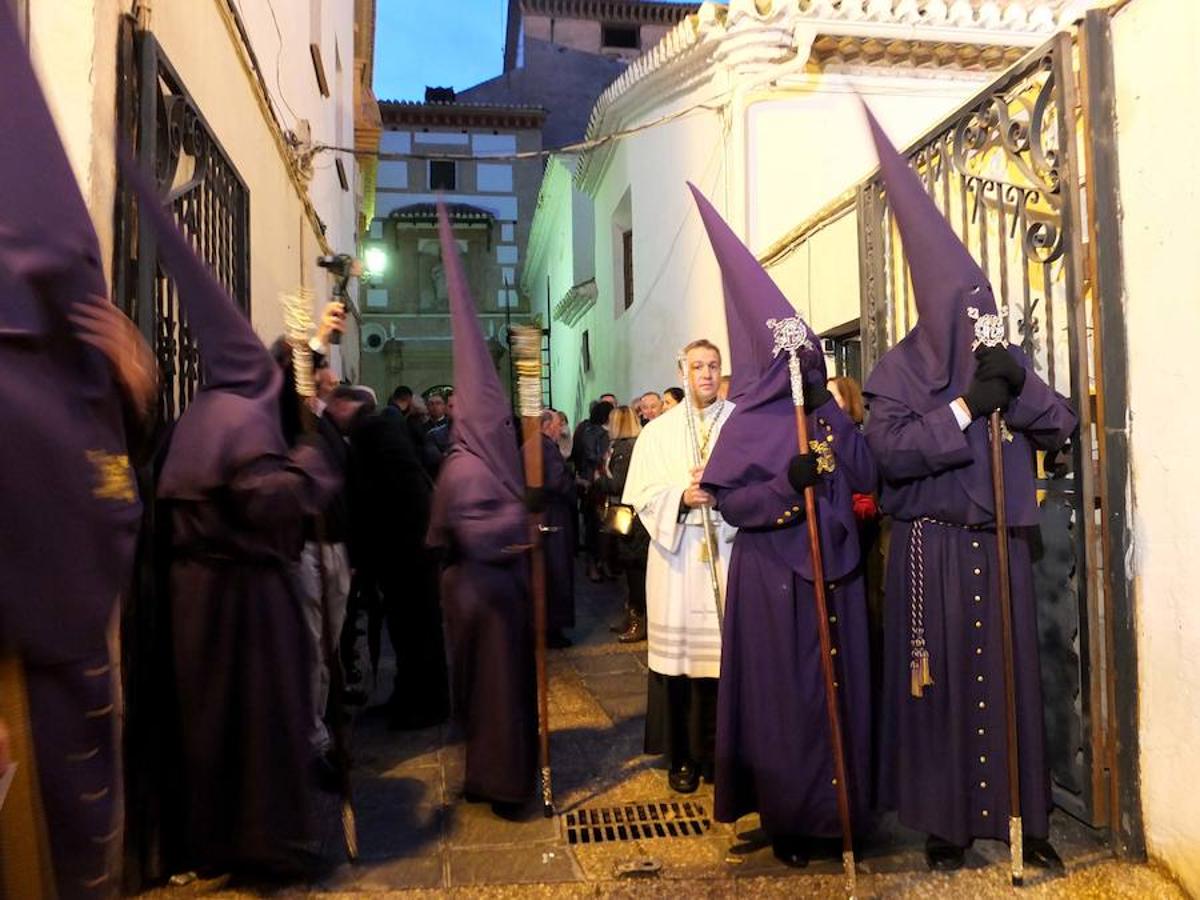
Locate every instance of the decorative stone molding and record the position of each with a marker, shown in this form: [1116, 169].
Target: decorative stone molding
[575, 302]
[752, 35]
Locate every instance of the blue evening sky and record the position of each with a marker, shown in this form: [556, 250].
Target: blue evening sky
[448, 43]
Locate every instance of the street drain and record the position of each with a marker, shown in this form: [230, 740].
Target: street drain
[634, 821]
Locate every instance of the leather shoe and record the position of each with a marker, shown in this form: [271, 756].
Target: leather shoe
[942, 856]
[1039, 853]
[791, 851]
[634, 633]
[684, 778]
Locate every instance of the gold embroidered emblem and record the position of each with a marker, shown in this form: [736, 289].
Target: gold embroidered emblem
[824, 453]
[114, 477]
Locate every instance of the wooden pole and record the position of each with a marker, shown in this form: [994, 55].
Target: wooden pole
[526, 348]
[791, 335]
[1015, 831]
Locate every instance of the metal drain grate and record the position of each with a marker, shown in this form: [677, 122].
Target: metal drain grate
[634, 821]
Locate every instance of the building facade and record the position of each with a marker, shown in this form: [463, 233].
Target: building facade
[466, 155]
[618, 29]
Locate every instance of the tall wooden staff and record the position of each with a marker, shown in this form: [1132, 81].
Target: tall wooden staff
[298, 326]
[710, 531]
[527, 355]
[792, 335]
[989, 332]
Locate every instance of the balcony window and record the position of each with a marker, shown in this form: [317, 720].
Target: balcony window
[443, 175]
[620, 37]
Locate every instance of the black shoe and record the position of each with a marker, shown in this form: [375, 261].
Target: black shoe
[942, 856]
[619, 627]
[684, 778]
[1041, 855]
[556, 640]
[791, 851]
[635, 633]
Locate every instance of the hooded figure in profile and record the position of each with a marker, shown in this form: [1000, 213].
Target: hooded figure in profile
[943, 751]
[481, 524]
[76, 391]
[235, 498]
[773, 740]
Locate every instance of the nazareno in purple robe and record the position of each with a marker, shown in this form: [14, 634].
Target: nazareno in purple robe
[773, 743]
[943, 754]
[71, 503]
[480, 522]
[235, 500]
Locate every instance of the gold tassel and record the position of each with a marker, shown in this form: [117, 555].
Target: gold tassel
[926, 676]
[915, 686]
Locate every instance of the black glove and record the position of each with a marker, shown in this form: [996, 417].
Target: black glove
[802, 472]
[997, 362]
[535, 500]
[983, 396]
[816, 395]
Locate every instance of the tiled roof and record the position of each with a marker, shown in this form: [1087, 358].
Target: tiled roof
[490, 114]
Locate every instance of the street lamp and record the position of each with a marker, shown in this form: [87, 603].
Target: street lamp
[376, 261]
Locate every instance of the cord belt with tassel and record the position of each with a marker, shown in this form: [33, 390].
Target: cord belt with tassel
[920, 672]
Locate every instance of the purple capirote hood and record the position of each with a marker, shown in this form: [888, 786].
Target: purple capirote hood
[934, 363]
[483, 418]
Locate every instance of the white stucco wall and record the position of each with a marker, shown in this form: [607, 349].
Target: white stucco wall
[677, 286]
[1157, 94]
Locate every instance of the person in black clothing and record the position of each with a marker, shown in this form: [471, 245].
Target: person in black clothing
[632, 546]
[559, 501]
[437, 433]
[672, 396]
[390, 494]
[589, 448]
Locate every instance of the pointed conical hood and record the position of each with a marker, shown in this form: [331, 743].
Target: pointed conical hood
[751, 298]
[46, 236]
[233, 358]
[234, 418]
[946, 281]
[483, 421]
[760, 438]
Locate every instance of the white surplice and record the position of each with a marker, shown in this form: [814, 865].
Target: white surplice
[684, 637]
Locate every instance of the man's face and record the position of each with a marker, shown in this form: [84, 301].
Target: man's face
[404, 404]
[704, 374]
[553, 428]
[610, 398]
[437, 406]
[651, 407]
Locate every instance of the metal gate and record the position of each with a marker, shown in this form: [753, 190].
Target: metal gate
[160, 120]
[1005, 170]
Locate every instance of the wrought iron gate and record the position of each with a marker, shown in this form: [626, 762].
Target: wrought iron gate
[160, 120]
[1005, 171]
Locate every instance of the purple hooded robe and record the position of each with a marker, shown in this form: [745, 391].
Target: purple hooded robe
[235, 500]
[71, 504]
[942, 758]
[480, 522]
[773, 741]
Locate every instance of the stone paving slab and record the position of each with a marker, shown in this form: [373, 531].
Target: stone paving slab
[537, 864]
[475, 825]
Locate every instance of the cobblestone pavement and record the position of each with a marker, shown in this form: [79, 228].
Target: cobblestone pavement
[418, 838]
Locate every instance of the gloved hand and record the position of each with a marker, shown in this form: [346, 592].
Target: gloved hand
[816, 395]
[535, 500]
[983, 396]
[802, 472]
[997, 362]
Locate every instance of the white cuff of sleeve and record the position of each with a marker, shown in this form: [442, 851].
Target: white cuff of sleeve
[314, 344]
[960, 416]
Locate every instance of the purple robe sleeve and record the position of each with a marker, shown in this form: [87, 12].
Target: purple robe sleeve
[908, 446]
[761, 505]
[557, 480]
[1041, 414]
[271, 490]
[850, 448]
